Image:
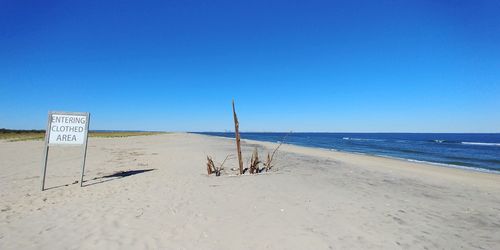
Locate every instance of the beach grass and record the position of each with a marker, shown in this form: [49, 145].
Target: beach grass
[33, 135]
[122, 134]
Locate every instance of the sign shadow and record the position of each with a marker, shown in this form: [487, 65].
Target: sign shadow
[63, 185]
[115, 176]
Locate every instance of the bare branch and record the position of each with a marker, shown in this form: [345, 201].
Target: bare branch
[269, 161]
[211, 168]
[227, 157]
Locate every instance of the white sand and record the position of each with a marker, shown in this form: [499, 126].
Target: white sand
[316, 199]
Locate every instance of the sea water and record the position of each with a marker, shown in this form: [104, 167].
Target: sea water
[472, 151]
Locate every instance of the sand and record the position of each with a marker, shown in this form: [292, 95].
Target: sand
[314, 199]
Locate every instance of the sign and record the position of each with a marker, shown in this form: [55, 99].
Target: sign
[66, 128]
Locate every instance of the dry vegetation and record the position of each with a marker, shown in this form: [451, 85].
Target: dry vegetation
[29, 135]
[21, 135]
[122, 134]
[270, 157]
[254, 162]
[212, 168]
[253, 167]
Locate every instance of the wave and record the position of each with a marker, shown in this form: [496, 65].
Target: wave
[360, 139]
[433, 141]
[404, 141]
[467, 143]
[445, 141]
[481, 143]
[450, 164]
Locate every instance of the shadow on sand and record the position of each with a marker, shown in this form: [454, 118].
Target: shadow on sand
[106, 178]
[115, 176]
[63, 185]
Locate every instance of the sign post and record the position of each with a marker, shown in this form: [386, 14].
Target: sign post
[66, 129]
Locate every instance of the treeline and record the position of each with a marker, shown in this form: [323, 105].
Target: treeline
[20, 131]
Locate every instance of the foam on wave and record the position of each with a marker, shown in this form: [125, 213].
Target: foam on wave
[481, 143]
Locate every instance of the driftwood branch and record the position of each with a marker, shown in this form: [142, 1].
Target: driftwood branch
[210, 165]
[212, 168]
[253, 166]
[237, 135]
[254, 162]
[227, 157]
[270, 157]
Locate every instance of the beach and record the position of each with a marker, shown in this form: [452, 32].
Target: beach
[153, 192]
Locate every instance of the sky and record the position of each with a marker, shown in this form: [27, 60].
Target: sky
[318, 66]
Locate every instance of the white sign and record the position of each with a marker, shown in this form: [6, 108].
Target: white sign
[68, 129]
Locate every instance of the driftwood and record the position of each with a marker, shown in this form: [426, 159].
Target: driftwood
[270, 157]
[253, 166]
[237, 135]
[210, 165]
[254, 162]
[211, 168]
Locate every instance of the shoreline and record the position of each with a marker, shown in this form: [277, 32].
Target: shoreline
[435, 164]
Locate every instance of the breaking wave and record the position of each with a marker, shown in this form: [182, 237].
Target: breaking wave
[360, 139]
[481, 143]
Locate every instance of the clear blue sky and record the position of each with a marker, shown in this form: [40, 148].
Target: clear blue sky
[395, 66]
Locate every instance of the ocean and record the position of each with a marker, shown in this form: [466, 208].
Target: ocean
[471, 151]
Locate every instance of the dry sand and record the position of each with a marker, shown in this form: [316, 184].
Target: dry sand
[315, 199]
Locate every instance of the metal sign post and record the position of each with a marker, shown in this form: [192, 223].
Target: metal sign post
[69, 129]
[85, 148]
